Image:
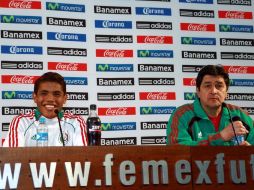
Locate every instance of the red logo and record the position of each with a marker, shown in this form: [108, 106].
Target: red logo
[235, 14]
[157, 96]
[19, 79]
[67, 66]
[155, 39]
[114, 53]
[117, 111]
[198, 27]
[189, 81]
[20, 4]
[239, 69]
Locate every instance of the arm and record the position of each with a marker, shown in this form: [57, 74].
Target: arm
[80, 135]
[15, 136]
[177, 132]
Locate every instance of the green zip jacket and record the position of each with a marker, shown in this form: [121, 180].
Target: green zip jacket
[190, 125]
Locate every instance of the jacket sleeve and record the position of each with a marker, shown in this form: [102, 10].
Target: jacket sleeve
[15, 135]
[177, 133]
[80, 134]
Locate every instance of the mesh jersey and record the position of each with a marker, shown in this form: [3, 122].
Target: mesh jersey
[22, 132]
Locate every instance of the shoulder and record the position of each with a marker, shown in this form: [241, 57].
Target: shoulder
[27, 116]
[184, 108]
[235, 108]
[70, 116]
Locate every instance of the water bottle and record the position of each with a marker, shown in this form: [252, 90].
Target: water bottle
[238, 139]
[42, 133]
[93, 123]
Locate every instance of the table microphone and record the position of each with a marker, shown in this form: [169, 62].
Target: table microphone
[59, 123]
[232, 124]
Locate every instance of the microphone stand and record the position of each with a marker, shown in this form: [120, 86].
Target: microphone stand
[61, 132]
[231, 121]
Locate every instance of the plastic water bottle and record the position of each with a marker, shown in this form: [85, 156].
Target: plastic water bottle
[238, 139]
[42, 133]
[93, 127]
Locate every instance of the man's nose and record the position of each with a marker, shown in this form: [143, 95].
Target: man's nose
[214, 89]
[50, 97]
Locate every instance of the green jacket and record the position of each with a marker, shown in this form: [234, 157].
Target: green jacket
[190, 125]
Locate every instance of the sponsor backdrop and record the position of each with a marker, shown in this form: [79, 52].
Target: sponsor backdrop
[136, 59]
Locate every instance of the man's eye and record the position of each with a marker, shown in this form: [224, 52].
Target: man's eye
[43, 93]
[57, 94]
[219, 86]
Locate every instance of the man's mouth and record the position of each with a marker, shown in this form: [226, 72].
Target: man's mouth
[49, 107]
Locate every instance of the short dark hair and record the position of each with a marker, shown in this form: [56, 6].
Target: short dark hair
[50, 77]
[214, 70]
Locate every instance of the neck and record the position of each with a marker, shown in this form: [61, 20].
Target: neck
[213, 112]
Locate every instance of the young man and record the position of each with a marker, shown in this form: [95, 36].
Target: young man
[49, 95]
[208, 120]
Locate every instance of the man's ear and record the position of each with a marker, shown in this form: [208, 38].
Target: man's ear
[197, 91]
[34, 97]
[65, 98]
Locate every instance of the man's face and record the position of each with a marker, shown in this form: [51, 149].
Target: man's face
[212, 92]
[50, 96]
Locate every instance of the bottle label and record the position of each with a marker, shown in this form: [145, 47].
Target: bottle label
[42, 136]
[95, 128]
[239, 139]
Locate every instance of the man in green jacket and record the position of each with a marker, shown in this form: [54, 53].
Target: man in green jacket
[209, 120]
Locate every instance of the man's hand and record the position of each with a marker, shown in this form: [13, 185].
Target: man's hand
[245, 143]
[227, 133]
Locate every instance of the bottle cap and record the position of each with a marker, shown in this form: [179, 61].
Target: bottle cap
[93, 107]
[42, 120]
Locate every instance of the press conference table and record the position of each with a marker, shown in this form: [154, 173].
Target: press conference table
[128, 167]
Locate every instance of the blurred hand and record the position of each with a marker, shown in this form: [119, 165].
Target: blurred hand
[245, 143]
[227, 133]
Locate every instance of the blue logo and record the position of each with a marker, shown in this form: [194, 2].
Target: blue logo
[27, 95]
[242, 82]
[197, 1]
[198, 41]
[236, 28]
[190, 95]
[113, 24]
[153, 11]
[118, 126]
[21, 49]
[12, 19]
[65, 7]
[66, 36]
[156, 110]
[75, 80]
[114, 67]
[155, 53]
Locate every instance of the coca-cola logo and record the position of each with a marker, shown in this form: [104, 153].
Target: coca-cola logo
[116, 111]
[67, 66]
[157, 96]
[20, 4]
[114, 53]
[193, 82]
[234, 15]
[155, 39]
[242, 70]
[22, 79]
[197, 27]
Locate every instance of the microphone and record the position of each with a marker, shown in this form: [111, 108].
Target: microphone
[59, 123]
[232, 122]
